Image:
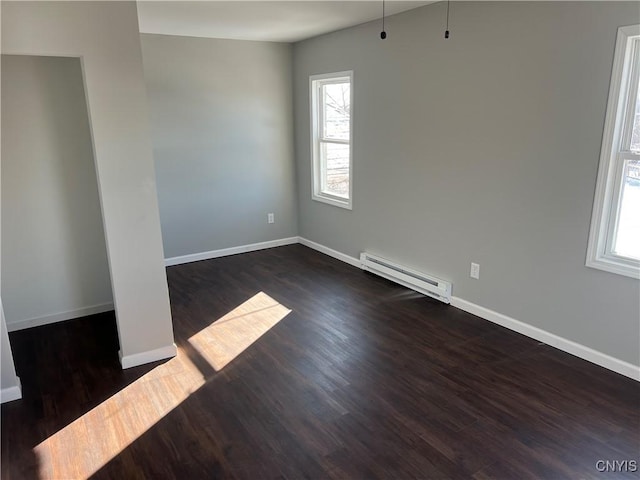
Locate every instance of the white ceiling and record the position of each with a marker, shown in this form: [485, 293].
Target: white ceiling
[274, 21]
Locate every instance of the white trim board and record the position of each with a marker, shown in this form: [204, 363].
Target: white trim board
[330, 251]
[142, 358]
[561, 343]
[10, 394]
[59, 317]
[568, 346]
[196, 257]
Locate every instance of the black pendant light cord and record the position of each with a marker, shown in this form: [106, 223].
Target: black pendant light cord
[383, 34]
[446, 33]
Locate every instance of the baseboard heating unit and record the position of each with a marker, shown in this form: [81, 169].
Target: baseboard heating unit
[420, 282]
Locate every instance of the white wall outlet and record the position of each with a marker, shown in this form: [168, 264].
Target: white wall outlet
[475, 271]
[271, 218]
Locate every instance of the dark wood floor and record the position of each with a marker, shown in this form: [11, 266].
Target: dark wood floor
[363, 379]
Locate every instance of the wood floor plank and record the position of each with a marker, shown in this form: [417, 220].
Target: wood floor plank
[345, 375]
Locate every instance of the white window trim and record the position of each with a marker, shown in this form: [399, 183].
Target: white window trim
[316, 172]
[606, 201]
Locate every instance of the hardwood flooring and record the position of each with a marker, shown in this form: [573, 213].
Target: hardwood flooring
[349, 376]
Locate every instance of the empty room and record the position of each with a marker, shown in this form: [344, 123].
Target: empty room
[320, 239]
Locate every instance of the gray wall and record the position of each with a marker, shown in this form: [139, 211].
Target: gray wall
[481, 148]
[53, 247]
[222, 130]
[8, 378]
[106, 36]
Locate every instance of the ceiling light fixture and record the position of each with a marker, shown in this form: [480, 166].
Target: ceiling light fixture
[446, 33]
[383, 34]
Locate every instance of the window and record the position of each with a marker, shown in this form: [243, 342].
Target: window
[331, 132]
[614, 241]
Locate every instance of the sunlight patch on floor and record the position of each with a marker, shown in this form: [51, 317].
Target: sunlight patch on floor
[84, 446]
[229, 336]
[81, 448]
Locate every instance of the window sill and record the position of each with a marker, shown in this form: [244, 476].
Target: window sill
[628, 268]
[336, 202]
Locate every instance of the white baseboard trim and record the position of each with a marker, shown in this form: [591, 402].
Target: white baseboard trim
[10, 394]
[330, 251]
[569, 346]
[58, 317]
[196, 257]
[162, 353]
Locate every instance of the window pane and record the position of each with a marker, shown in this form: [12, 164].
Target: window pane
[337, 109]
[635, 134]
[335, 159]
[627, 242]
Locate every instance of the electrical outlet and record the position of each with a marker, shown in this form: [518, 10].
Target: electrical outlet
[271, 218]
[475, 271]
